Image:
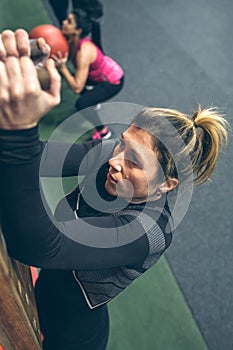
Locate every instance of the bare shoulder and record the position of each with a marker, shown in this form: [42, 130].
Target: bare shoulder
[87, 51]
[88, 48]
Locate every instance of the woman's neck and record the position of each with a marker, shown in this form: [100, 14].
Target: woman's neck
[73, 43]
[73, 40]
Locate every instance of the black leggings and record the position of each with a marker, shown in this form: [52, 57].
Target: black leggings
[90, 97]
[66, 321]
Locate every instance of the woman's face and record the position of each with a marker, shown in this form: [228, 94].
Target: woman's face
[133, 170]
[69, 25]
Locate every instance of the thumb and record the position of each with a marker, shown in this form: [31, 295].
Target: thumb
[55, 81]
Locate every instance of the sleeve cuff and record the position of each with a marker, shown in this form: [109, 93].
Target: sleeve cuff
[19, 146]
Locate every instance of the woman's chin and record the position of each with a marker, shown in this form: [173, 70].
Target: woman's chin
[110, 188]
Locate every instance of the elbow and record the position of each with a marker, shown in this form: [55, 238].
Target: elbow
[78, 87]
[77, 90]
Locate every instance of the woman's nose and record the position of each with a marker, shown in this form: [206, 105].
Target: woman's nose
[116, 163]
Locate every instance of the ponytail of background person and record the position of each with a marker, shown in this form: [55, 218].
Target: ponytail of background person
[93, 7]
[94, 12]
[96, 34]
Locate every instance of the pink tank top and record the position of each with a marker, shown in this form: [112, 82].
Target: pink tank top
[104, 68]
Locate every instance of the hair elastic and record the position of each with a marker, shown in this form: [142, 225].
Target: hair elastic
[198, 126]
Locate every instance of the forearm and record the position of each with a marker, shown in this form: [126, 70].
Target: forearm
[64, 159]
[75, 85]
[23, 217]
[32, 234]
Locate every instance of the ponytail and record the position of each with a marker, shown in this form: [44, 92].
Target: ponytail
[94, 8]
[96, 34]
[210, 134]
[204, 136]
[88, 14]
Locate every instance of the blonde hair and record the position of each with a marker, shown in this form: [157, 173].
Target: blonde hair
[204, 135]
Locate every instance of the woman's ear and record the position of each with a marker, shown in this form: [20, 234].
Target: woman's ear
[168, 185]
[164, 187]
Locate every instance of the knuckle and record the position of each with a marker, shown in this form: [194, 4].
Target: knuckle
[58, 100]
[12, 64]
[4, 97]
[31, 89]
[17, 94]
[2, 54]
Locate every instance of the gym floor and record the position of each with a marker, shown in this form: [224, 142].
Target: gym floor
[176, 54]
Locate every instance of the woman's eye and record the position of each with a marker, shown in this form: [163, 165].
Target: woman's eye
[121, 144]
[135, 161]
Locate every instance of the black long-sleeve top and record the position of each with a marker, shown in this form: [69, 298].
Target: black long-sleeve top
[36, 237]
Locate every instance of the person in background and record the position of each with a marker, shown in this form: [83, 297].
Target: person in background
[115, 224]
[97, 77]
[60, 8]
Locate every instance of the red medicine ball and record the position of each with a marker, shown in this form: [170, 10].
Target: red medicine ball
[53, 37]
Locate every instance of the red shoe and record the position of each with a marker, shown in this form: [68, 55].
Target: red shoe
[104, 134]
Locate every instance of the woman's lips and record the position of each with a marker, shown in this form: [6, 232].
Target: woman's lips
[111, 179]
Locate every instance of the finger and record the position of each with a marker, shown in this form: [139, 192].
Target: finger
[55, 80]
[9, 42]
[22, 42]
[4, 84]
[59, 54]
[44, 78]
[54, 57]
[38, 54]
[16, 84]
[29, 74]
[2, 50]
[44, 47]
